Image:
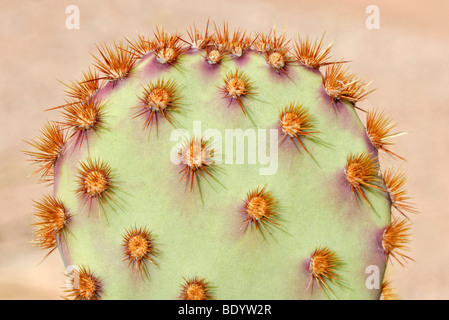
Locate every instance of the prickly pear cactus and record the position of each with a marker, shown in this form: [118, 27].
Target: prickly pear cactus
[220, 165]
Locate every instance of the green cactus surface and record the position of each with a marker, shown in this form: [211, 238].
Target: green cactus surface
[220, 165]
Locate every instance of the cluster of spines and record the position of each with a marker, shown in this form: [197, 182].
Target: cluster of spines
[339, 84]
[295, 123]
[52, 224]
[96, 184]
[237, 87]
[48, 148]
[158, 99]
[83, 113]
[323, 266]
[140, 248]
[260, 209]
[84, 284]
[115, 63]
[196, 159]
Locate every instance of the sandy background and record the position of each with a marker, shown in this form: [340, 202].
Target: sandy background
[406, 59]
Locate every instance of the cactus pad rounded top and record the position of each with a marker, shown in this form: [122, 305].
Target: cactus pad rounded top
[220, 165]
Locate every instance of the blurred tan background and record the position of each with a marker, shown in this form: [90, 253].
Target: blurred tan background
[406, 59]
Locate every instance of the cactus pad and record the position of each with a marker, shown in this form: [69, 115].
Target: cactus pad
[219, 165]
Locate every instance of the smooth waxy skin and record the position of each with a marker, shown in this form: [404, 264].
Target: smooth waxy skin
[203, 234]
